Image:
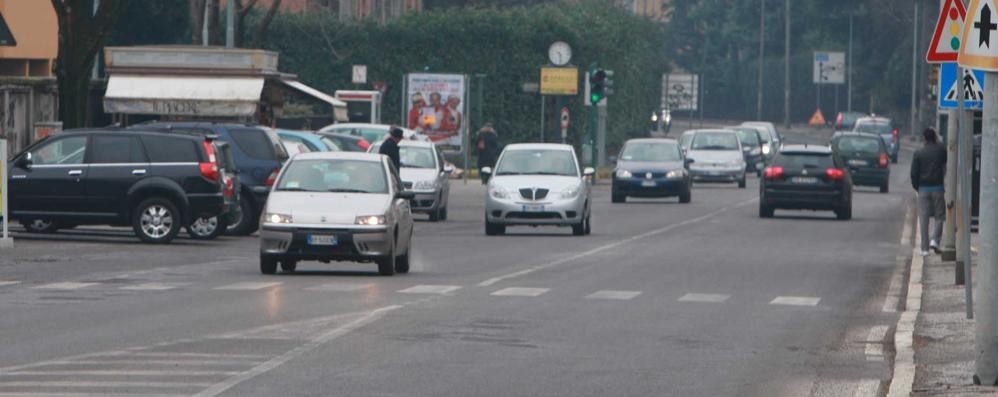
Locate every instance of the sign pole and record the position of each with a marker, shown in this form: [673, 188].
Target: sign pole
[5, 240]
[948, 242]
[986, 337]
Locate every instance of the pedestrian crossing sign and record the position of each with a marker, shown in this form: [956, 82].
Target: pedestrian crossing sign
[971, 81]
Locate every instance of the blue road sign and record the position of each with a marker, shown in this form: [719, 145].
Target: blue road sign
[971, 83]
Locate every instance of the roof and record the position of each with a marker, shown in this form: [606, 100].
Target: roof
[839, 134]
[710, 130]
[340, 135]
[874, 119]
[805, 149]
[670, 140]
[338, 156]
[536, 146]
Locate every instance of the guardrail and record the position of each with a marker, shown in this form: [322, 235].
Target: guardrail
[5, 240]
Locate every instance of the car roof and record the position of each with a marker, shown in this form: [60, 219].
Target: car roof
[713, 130]
[650, 140]
[805, 149]
[409, 142]
[339, 156]
[840, 134]
[369, 126]
[341, 135]
[536, 146]
[874, 119]
[115, 130]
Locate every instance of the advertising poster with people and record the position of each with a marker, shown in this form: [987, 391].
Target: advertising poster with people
[436, 106]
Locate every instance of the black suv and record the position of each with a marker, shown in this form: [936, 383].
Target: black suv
[155, 182]
[258, 155]
[806, 177]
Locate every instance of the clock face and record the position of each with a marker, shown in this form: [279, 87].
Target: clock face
[560, 53]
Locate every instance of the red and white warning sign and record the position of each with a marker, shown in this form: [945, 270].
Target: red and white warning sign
[946, 40]
[565, 120]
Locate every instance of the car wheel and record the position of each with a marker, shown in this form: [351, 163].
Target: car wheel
[245, 223]
[685, 195]
[386, 265]
[156, 220]
[268, 265]
[492, 229]
[589, 225]
[885, 187]
[40, 226]
[844, 213]
[206, 228]
[288, 265]
[435, 215]
[443, 213]
[402, 263]
[894, 159]
[765, 211]
[741, 183]
[579, 229]
[617, 197]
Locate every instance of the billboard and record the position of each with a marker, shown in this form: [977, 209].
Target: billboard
[680, 91]
[559, 81]
[436, 106]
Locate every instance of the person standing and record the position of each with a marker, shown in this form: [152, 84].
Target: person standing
[928, 169]
[390, 147]
[488, 150]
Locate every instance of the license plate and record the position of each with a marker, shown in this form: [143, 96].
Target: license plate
[858, 163]
[648, 183]
[533, 208]
[804, 179]
[314, 239]
[714, 173]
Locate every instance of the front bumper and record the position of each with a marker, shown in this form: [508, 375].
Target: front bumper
[718, 174]
[643, 187]
[426, 201]
[517, 211]
[353, 243]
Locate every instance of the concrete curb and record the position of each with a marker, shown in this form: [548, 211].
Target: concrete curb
[903, 378]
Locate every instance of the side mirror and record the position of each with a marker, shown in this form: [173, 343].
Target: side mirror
[612, 159]
[24, 161]
[487, 170]
[448, 169]
[405, 195]
[588, 171]
[687, 161]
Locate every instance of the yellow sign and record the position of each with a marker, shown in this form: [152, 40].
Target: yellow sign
[817, 118]
[979, 49]
[559, 81]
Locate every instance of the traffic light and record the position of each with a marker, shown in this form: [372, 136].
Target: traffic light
[597, 86]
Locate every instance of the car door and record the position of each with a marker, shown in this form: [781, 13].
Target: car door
[401, 207]
[117, 162]
[54, 183]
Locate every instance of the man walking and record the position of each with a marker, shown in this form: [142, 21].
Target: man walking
[928, 168]
[488, 150]
[390, 147]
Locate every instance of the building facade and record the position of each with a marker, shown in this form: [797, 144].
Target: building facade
[35, 31]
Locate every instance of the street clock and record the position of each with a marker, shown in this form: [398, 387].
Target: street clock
[560, 53]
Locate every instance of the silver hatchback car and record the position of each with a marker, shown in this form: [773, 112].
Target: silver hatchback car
[425, 173]
[337, 206]
[538, 184]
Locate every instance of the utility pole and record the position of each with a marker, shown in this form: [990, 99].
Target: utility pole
[849, 68]
[786, 65]
[948, 243]
[762, 51]
[230, 23]
[987, 320]
[206, 26]
[914, 69]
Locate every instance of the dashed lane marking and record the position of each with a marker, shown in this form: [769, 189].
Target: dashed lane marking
[119, 373]
[709, 298]
[69, 285]
[339, 287]
[152, 287]
[614, 295]
[248, 286]
[96, 384]
[519, 291]
[4, 283]
[430, 289]
[795, 301]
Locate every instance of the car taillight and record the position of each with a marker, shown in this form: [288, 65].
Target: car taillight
[209, 169]
[272, 178]
[773, 172]
[883, 160]
[896, 132]
[835, 174]
[838, 120]
[363, 144]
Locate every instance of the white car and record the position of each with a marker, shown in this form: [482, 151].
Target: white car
[717, 156]
[774, 136]
[425, 173]
[372, 133]
[538, 184]
[337, 206]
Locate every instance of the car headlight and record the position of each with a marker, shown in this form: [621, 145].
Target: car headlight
[755, 151]
[425, 185]
[766, 149]
[370, 220]
[675, 174]
[278, 218]
[498, 192]
[624, 174]
[570, 192]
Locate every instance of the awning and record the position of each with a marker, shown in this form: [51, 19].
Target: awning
[186, 96]
[339, 107]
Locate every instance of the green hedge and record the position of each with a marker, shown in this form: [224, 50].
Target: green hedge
[508, 45]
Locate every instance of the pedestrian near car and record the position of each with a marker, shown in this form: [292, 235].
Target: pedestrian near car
[390, 147]
[488, 149]
[928, 169]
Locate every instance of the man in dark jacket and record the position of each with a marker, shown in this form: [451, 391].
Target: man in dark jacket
[390, 147]
[488, 149]
[928, 169]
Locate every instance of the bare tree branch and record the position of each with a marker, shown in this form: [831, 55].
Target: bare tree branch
[261, 30]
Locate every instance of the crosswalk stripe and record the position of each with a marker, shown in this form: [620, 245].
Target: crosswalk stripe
[4, 283]
[248, 286]
[708, 298]
[69, 285]
[430, 289]
[614, 295]
[150, 287]
[520, 291]
[795, 301]
[338, 287]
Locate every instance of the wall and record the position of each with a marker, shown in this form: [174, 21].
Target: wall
[36, 30]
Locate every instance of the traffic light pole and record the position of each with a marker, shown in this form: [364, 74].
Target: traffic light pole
[593, 120]
[986, 325]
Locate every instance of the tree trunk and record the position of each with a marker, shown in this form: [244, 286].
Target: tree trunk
[74, 97]
[261, 31]
[197, 20]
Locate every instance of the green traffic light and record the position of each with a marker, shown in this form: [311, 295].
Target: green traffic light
[595, 98]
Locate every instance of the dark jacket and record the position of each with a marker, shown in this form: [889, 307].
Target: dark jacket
[390, 148]
[928, 167]
[489, 152]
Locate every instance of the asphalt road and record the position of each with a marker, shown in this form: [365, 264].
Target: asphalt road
[662, 299]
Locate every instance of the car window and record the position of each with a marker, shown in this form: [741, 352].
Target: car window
[164, 149]
[330, 144]
[70, 150]
[859, 145]
[294, 147]
[685, 139]
[537, 162]
[748, 137]
[369, 134]
[714, 141]
[417, 157]
[801, 160]
[651, 151]
[347, 176]
[110, 149]
[873, 127]
[255, 144]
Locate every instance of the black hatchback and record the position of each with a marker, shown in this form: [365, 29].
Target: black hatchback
[866, 157]
[806, 177]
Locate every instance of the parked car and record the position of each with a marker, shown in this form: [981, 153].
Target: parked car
[347, 142]
[845, 121]
[752, 144]
[717, 157]
[866, 157]
[372, 133]
[337, 206]
[775, 139]
[156, 183]
[308, 139]
[767, 145]
[806, 177]
[258, 154]
[886, 129]
[651, 167]
[538, 184]
[210, 227]
[424, 173]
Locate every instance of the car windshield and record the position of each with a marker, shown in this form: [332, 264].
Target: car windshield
[685, 140]
[416, 157]
[346, 176]
[715, 141]
[874, 128]
[748, 137]
[859, 145]
[537, 162]
[650, 151]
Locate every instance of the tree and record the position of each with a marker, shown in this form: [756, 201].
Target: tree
[244, 8]
[82, 33]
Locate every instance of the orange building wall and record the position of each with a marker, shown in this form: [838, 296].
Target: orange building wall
[36, 30]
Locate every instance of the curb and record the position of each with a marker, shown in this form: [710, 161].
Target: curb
[903, 378]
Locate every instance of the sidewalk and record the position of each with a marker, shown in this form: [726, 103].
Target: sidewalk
[944, 337]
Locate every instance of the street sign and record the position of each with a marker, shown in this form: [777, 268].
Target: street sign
[565, 122]
[559, 81]
[972, 83]
[829, 67]
[531, 87]
[359, 74]
[817, 119]
[680, 91]
[980, 37]
[946, 48]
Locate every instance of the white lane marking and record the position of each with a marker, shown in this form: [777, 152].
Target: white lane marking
[518, 291]
[187, 355]
[868, 388]
[874, 349]
[795, 301]
[370, 317]
[118, 373]
[893, 299]
[612, 245]
[57, 383]
[58, 394]
[904, 334]
[4, 283]
[69, 285]
[338, 287]
[614, 295]
[430, 289]
[153, 287]
[248, 286]
[709, 298]
[140, 361]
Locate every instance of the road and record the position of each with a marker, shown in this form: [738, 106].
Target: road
[662, 299]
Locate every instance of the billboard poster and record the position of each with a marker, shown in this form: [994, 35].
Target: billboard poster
[436, 106]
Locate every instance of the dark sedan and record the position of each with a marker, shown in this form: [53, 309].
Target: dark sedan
[752, 143]
[806, 177]
[886, 129]
[866, 157]
[651, 167]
